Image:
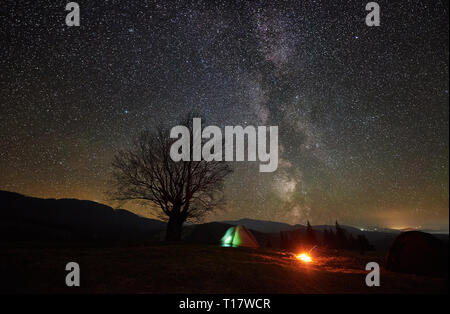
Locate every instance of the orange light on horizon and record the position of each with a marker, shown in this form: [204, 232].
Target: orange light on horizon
[304, 257]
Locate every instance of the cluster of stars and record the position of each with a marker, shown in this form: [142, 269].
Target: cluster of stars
[362, 112]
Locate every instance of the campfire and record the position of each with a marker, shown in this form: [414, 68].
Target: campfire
[304, 257]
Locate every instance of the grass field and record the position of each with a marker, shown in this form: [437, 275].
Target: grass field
[186, 268]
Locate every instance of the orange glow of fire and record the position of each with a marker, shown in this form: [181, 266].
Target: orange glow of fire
[304, 257]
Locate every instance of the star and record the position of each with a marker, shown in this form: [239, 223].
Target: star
[363, 126]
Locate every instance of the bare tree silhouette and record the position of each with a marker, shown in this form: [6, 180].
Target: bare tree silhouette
[183, 190]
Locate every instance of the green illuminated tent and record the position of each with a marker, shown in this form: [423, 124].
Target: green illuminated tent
[239, 236]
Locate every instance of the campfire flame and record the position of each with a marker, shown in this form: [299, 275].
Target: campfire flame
[304, 257]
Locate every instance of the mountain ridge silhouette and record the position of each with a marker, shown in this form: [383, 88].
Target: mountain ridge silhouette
[24, 218]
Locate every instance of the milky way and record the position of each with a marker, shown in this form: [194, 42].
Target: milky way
[362, 111]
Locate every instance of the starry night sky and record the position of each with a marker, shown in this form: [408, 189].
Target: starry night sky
[362, 111]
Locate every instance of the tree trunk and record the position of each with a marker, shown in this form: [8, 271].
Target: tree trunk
[174, 227]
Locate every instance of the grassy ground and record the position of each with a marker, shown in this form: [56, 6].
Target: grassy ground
[185, 268]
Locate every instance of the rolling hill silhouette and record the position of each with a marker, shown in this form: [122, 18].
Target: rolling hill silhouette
[24, 218]
[30, 218]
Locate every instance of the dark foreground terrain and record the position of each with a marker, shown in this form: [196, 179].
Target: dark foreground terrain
[193, 268]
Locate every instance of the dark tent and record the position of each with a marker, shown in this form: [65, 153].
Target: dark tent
[419, 253]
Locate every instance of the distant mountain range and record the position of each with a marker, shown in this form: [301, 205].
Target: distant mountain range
[271, 226]
[24, 218]
[264, 225]
[30, 218]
